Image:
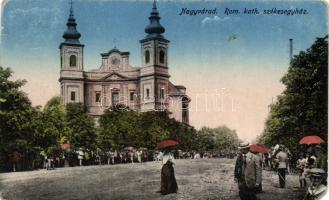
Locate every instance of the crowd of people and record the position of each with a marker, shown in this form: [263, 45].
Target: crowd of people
[311, 165]
[83, 157]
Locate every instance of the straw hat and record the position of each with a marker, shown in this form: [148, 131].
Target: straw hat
[244, 145]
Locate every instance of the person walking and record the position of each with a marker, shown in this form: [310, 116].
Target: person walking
[139, 155]
[245, 173]
[168, 179]
[301, 165]
[282, 159]
[112, 156]
[115, 157]
[132, 157]
[108, 154]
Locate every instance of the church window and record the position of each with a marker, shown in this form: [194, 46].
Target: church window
[115, 98]
[162, 56]
[98, 97]
[147, 56]
[72, 96]
[73, 61]
[132, 94]
[162, 93]
[147, 93]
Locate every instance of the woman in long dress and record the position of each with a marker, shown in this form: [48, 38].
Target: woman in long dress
[168, 180]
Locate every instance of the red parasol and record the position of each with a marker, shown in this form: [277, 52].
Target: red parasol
[166, 143]
[312, 139]
[258, 148]
[65, 146]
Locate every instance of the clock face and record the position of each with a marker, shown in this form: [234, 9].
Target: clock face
[115, 61]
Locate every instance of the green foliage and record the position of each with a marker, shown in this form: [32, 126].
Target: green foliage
[53, 151]
[121, 128]
[54, 122]
[302, 108]
[82, 133]
[27, 133]
[20, 124]
[11, 97]
[219, 138]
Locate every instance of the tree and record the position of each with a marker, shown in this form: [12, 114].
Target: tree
[226, 138]
[82, 125]
[11, 97]
[302, 107]
[219, 138]
[17, 122]
[55, 126]
[121, 128]
[118, 128]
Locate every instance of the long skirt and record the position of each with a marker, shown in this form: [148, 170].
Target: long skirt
[168, 180]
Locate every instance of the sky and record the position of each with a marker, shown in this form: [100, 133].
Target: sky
[231, 65]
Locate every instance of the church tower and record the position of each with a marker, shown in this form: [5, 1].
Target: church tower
[71, 56]
[154, 81]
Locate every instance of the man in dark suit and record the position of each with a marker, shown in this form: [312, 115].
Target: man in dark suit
[245, 172]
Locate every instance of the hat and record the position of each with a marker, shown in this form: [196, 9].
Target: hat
[244, 145]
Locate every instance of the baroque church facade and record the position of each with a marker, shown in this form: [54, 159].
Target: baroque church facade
[145, 88]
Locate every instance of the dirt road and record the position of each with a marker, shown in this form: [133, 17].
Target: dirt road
[203, 179]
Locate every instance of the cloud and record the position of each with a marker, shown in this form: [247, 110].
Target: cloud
[214, 19]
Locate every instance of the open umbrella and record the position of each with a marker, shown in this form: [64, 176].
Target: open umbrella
[312, 139]
[166, 143]
[258, 148]
[65, 146]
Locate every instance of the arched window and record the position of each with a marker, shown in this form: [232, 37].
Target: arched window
[73, 61]
[147, 56]
[162, 56]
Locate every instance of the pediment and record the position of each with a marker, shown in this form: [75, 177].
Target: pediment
[114, 76]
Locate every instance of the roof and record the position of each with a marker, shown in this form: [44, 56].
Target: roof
[114, 50]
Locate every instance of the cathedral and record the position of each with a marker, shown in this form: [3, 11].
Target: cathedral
[145, 88]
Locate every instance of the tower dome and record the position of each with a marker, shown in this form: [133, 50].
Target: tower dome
[71, 35]
[154, 29]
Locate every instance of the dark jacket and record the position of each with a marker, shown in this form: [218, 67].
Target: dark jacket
[238, 167]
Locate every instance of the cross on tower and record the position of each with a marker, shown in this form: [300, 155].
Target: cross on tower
[154, 4]
[71, 10]
[114, 42]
